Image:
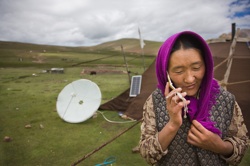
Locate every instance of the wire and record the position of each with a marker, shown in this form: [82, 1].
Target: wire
[105, 144]
[108, 161]
[111, 121]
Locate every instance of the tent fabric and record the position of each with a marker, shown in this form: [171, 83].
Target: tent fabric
[133, 107]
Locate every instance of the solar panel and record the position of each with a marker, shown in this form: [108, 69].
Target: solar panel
[135, 86]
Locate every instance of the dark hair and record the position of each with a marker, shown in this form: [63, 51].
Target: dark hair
[187, 42]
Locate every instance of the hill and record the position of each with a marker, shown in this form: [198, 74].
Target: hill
[129, 45]
[16, 54]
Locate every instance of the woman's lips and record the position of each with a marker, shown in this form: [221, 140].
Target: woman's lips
[190, 87]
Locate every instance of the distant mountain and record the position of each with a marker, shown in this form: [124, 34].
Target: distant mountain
[129, 46]
[32, 47]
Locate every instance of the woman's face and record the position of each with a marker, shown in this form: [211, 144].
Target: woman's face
[186, 70]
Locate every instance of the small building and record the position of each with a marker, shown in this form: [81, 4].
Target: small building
[57, 70]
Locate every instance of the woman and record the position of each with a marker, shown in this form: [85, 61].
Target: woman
[196, 123]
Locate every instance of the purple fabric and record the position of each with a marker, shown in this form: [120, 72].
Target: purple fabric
[198, 109]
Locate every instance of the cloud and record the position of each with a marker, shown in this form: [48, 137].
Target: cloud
[90, 22]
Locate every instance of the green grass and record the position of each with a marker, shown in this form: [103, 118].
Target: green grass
[32, 100]
[27, 99]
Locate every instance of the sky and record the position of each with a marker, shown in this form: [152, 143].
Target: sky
[92, 22]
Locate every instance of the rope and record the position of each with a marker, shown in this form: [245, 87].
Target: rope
[111, 121]
[103, 145]
[93, 60]
[233, 83]
[217, 66]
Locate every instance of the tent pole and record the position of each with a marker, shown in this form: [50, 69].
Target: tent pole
[126, 64]
[230, 59]
[143, 59]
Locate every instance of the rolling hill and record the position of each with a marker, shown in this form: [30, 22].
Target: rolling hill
[129, 45]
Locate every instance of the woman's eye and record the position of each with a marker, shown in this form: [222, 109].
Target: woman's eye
[196, 68]
[178, 72]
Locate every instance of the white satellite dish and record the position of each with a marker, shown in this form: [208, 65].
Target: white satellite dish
[78, 101]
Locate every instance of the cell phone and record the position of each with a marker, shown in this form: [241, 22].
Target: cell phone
[172, 87]
[170, 82]
[179, 95]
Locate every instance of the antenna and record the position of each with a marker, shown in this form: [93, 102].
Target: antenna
[78, 101]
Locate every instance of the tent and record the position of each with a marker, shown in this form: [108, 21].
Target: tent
[132, 106]
[239, 79]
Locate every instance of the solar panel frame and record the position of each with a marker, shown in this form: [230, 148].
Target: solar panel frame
[135, 86]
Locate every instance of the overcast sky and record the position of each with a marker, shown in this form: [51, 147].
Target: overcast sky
[91, 22]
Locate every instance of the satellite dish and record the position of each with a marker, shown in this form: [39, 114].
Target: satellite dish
[78, 101]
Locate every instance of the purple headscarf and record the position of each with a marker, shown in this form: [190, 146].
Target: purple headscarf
[198, 108]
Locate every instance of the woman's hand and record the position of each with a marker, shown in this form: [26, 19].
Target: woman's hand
[201, 137]
[175, 105]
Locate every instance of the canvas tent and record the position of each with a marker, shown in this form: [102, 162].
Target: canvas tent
[132, 106]
[239, 76]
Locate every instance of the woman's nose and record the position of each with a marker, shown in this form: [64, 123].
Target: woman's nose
[189, 77]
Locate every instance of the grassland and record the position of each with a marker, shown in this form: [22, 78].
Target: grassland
[28, 97]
